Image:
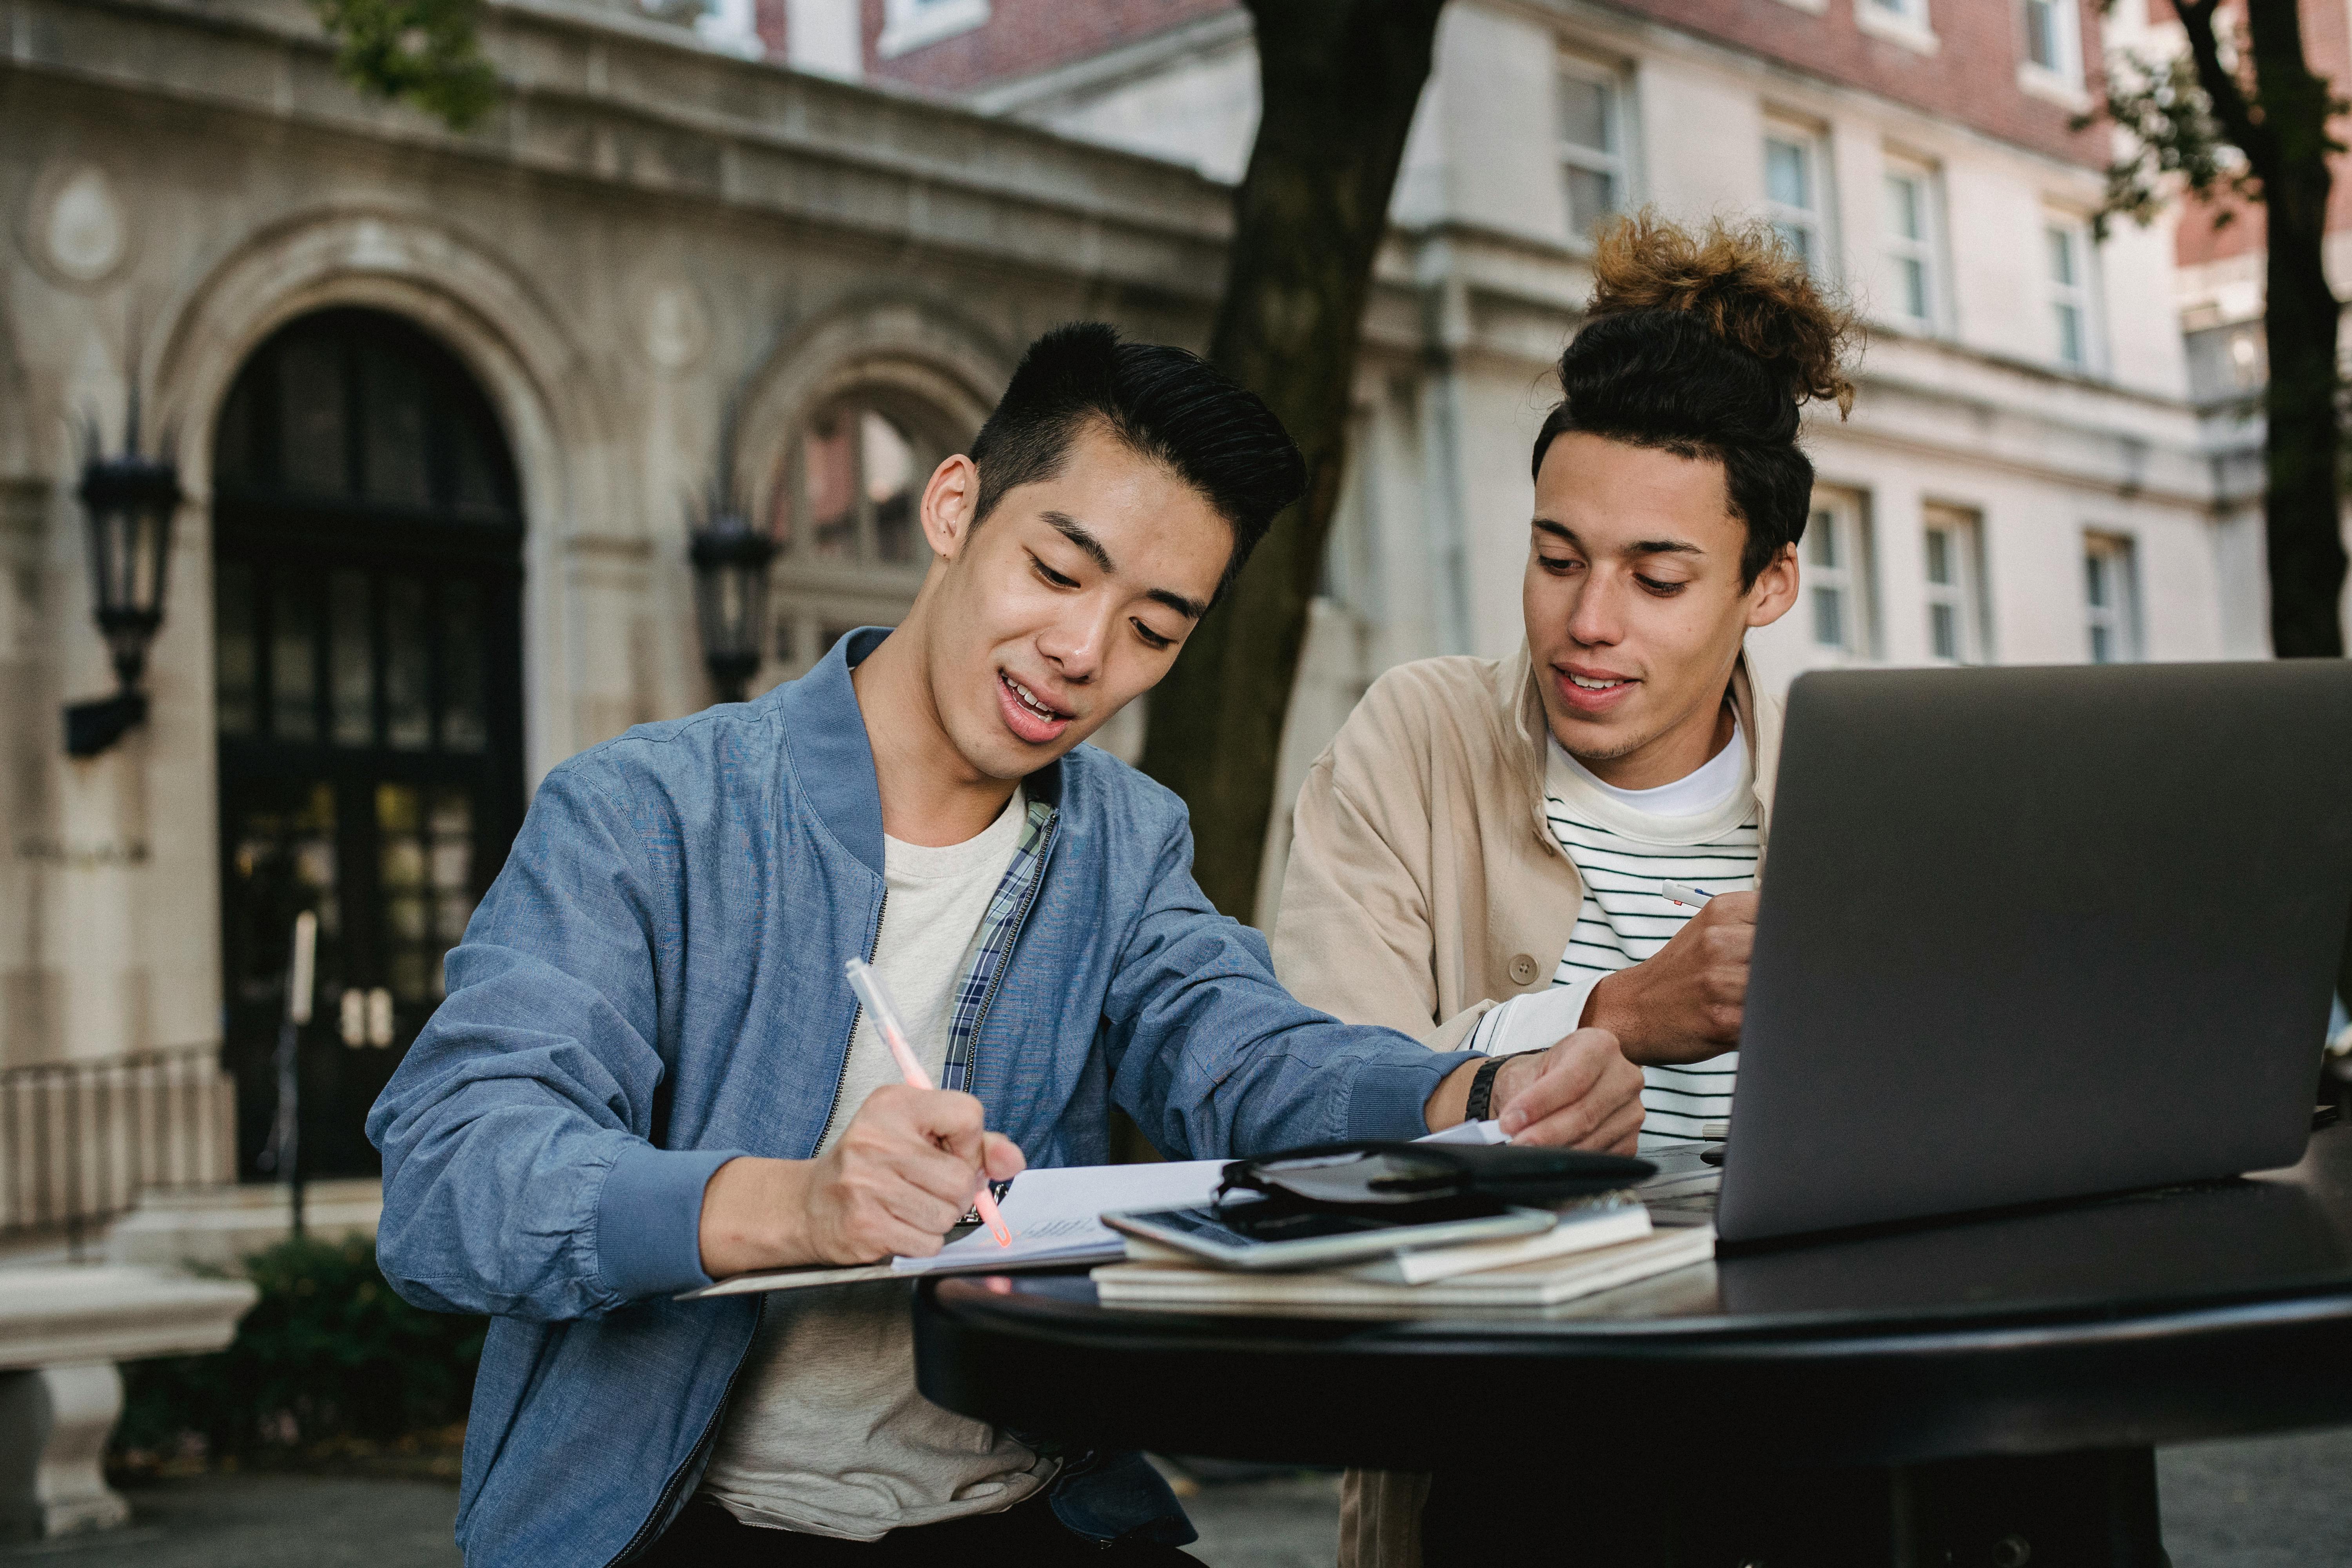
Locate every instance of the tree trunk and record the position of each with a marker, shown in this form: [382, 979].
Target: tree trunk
[1339, 83]
[2302, 503]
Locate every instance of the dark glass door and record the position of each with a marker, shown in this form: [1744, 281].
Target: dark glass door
[367, 571]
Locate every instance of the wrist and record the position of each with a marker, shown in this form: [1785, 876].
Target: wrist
[1607, 1008]
[755, 1216]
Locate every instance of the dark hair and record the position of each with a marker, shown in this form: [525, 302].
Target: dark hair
[1704, 345]
[1165, 404]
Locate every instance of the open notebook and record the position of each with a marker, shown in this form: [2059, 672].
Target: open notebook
[1055, 1216]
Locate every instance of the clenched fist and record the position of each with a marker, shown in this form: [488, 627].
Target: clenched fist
[902, 1175]
[1683, 1003]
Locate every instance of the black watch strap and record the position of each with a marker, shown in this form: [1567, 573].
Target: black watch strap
[1482, 1091]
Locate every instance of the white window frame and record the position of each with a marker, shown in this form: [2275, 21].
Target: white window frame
[1839, 520]
[911, 25]
[1962, 592]
[1925, 248]
[2078, 296]
[1612, 161]
[1904, 21]
[1814, 222]
[2061, 74]
[2111, 624]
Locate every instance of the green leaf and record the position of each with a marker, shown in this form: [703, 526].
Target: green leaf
[426, 53]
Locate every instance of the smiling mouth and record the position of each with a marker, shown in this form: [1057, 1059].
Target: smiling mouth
[1034, 703]
[1587, 683]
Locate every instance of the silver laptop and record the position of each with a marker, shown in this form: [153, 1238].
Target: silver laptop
[2029, 934]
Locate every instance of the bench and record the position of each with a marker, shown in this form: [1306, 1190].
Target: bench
[62, 1329]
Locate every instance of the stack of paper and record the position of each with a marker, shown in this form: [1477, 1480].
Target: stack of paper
[1055, 1216]
[1581, 1258]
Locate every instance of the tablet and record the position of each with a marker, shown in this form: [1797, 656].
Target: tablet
[1256, 1234]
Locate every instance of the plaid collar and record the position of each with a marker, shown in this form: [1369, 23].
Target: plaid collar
[992, 942]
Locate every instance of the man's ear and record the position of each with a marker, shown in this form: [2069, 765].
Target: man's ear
[950, 503]
[1774, 591]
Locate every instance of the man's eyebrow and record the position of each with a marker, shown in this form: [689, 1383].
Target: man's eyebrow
[1639, 547]
[1076, 532]
[1191, 609]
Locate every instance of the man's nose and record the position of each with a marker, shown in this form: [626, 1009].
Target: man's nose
[1597, 619]
[1075, 644]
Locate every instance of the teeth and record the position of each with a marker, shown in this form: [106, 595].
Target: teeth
[1030, 699]
[1595, 685]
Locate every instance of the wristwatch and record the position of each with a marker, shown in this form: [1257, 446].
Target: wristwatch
[1482, 1090]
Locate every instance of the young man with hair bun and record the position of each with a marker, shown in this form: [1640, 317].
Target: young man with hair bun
[1478, 855]
[650, 1070]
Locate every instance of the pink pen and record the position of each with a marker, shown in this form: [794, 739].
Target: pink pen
[864, 980]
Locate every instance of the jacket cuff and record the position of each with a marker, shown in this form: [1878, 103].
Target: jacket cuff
[649, 1219]
[1386, 1099]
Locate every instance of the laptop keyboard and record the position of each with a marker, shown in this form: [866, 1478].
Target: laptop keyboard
[1684, 1184]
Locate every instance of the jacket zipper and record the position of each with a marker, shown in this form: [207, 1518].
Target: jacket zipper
[759, 1307]
[702, 1445]
[833, 1106]
[1020, 919]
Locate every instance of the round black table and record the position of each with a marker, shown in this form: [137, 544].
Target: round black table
[1986, 1390]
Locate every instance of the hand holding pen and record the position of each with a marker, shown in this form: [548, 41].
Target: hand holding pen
[867, 983]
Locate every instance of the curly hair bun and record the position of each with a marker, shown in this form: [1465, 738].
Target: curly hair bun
[1747, 287]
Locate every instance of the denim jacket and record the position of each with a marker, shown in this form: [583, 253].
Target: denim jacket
[654, 987]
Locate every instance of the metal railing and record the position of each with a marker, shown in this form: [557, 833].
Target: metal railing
[80, 1141]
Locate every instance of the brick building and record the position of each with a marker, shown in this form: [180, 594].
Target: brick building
[438, 403]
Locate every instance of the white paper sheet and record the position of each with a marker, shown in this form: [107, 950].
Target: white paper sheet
[1469, 1132]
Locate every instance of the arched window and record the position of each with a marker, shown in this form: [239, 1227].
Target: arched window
[843, 509]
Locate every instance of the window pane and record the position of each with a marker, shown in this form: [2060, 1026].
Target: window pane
[1939, 557]
[1799, 242]
[1591, 196]
[829, 478]
[1904, 207]
[2095, 581]
[407, 666]
[2070, 335]
[1584, 117]
[1911, 276]
[1944, 630]
[1787, 174]
[2061, 256]
[1828, 617]
[1821, 541]
[462, 726]
[235, 657]
[310, 416]
[2042, 33]
[889, 462]
[391, 433]
[2103, 648]
[353, 662]
[293, 659]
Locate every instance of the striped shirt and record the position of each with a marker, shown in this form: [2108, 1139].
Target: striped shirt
[1622, 847]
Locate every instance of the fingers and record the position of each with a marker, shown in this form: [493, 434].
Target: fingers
[1001, 1158]
[1588, 1097]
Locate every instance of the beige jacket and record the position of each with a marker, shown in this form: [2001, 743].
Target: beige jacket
[1424, 888]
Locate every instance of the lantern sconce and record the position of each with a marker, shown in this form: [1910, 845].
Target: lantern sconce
[129, 503]
[730, 560]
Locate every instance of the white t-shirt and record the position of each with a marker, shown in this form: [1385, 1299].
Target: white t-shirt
[825, 1432]
[1702, 829]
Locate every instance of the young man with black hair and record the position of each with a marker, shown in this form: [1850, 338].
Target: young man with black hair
[1478, 858]
[650, 1071]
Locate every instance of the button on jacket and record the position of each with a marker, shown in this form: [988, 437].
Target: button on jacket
[654, 985]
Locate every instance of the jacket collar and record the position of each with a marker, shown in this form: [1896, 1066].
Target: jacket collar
[1521, 701]
[833, 762]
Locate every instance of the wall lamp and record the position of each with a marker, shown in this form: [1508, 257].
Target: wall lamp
[130, 502]
[731, 595]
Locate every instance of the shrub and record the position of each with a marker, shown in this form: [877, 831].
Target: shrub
[328, 1354]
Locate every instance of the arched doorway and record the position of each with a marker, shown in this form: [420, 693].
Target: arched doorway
[367, 568]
